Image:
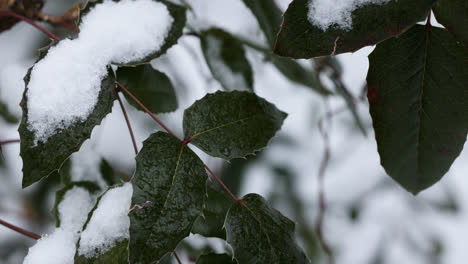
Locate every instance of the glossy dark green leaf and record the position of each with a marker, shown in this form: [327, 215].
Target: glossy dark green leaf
[372, 23]
[118, 254]
[152, 87]
[231, 124]
[226, 60]
[260, 234]
[213, 258]
[7, 115]
[169, 184]
[419, 104]
[211, 223]
[43, 158]
[176, 11]
[60, 194]
[453, 14]
[269, 17]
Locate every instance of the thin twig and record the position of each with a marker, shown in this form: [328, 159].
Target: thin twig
[177, 257]
[29, 21]
[5, 142]
[321, 175]
[222, 184]
[128, 123]
[20, 230]
[146, 110]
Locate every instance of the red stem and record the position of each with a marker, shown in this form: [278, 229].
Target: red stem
[4, 142]
[177, 257]
[20, 230]
[222, 184]
[68, 26]
[146, 110]
[29, 21]
[128, 124]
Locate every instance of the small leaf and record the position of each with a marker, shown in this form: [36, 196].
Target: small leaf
[6, 115]
[260, 234]
[231, 124]
[43, 158]
[371, 23]
[419, 104]
[60, 194]
[213, 258]
[226, 60]
[211, 223]
[453, 14]
[168, 195]
[152, 87]
[268, 16]
[176, 11]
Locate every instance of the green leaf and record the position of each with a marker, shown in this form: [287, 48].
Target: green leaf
[176, 11]
[226, 60]
[60, 194]
[231, 124]
[152, 87]
[372, 23]
[43, 158]
[213, 258]
[260, 234]
[419, 104]
[169, 185]
[453, 14]
[268, 16]
[6, 115]
[211, 223]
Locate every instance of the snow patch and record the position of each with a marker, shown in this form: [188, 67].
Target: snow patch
[60, 246]
[326, 13]
[109, 223]
[65, 85]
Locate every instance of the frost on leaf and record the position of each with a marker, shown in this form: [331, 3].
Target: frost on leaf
[59, 247]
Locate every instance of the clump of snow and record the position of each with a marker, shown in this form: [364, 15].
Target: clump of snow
[57, 248]
[233, 80]
[73, 209]
[60, 246]
[327, 13]
[65, 85]
[109, 223]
